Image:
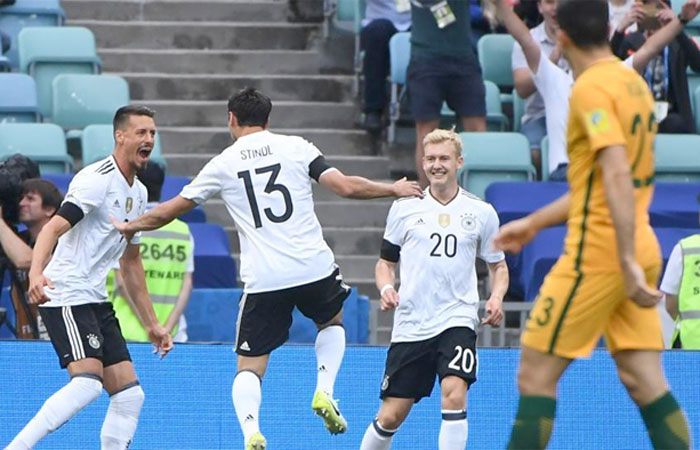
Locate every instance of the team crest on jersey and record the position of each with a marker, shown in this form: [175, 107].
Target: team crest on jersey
[129, 204]
[385, 382]
[93, 341]
[444, 220]
[468, 222]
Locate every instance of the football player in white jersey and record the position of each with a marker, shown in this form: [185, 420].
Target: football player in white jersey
[437, 238]
[265, 180]
[71, 289]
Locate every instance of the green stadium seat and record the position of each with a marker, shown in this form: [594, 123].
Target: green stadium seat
[495, 119]
[18, 99]
[28, 13]
[677, 157]
[97, 142]
[44, 143]
[45, 52]
[518, 110]
[544, 156]
[494, 57]
[493, 156]
[696, 112]
[82, 100]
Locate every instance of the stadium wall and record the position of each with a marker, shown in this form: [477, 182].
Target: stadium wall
[188, 400]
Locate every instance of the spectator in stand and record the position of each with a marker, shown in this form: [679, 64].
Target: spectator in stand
[665, 74]
[534, 125]
[383, 19]
[443, 67]
[617, 11]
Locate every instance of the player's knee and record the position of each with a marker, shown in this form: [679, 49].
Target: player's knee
[390, 420]
[453, 400]
[129, 399]
[530, 383]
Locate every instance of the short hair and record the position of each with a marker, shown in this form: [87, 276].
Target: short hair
[51, 197]
[123, 114]
[438, 136]
[584, 21]
[153, 177]
[251, 107]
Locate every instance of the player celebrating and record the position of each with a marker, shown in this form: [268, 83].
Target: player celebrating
[437, 239]
[265, 182]
[71, 289]
[604, 281]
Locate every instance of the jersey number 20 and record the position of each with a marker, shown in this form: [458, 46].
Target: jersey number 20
[270, 187]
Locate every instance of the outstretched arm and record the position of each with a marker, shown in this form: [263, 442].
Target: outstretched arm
[162, 214]
[362, 188]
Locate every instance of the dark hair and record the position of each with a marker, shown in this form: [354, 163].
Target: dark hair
[51, 197]
[153, 177]
[251, 107]
[123, 113]
[584, 21]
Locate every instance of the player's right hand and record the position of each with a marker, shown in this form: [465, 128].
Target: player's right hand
[37, 296]
[389, 299]
[513, 236]
[161, 339]
[405, 188]
[637, 288]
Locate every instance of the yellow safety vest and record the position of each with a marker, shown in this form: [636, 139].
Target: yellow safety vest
[164, 253]
[689, 293]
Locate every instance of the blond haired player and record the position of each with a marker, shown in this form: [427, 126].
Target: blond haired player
[604, 281]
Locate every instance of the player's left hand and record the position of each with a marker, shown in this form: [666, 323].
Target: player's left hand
[494, 312]
[161, 339]
[123, 228]
[405, 188]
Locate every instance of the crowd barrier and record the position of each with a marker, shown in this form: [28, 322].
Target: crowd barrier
[188, 400]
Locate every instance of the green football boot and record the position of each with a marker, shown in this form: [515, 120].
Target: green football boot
[256, 442]
[326, 408]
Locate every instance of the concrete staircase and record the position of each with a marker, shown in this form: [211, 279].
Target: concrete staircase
[185, 57]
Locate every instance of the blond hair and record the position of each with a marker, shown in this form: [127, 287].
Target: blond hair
[438, 136]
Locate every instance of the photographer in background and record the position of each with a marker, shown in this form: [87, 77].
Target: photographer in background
[38, 202]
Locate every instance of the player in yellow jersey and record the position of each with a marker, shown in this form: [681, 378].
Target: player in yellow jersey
[604, 282]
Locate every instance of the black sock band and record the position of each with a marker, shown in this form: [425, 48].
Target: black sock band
[88, 375]
[381, 431]
[461, 415]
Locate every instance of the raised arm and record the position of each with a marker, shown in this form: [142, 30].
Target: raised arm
[520, 33]
[362, 188]
[657, 41]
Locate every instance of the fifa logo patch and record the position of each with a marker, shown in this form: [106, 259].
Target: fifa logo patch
[93, 341]
[129, 204]
[597, 121]
[444, 220]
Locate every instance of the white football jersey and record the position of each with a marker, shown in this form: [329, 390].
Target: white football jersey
[86, 253]
[437, 245]
[265, 182]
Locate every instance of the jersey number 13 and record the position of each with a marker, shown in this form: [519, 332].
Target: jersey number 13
[270, 187]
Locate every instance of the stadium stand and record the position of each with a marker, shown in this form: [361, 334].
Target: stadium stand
[97, 142]
[494, 57]
[492, 156]
[211, 313]
[82, 100]
[676, 158]
[18, 99]
[45, 52]
[28, 13]
[495, 119]
[214, 266]
[44, 143]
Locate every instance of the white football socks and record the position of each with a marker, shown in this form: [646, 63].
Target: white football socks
[330, 347]
[247, 397]
[122, 417]
[58, 409]
[376, 437]
[454, 430]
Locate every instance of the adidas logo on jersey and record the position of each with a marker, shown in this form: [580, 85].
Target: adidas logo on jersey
[245, 346]
[116, 203]
[420, 221]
